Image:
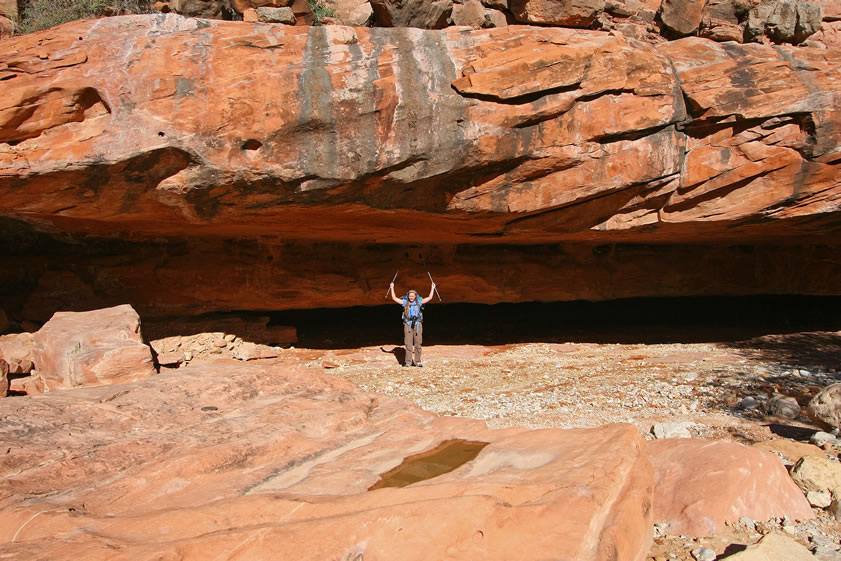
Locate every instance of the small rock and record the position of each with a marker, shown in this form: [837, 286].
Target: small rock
[171, 358]
[660, 529]
[230, 337]
[783, 406]
[672, 430]
[819, 499]
[749, 402]
[188, 356]
[747, 523]
[820, 438]
[220, 343]
[252, 351]
[329, 364]
[276, 15]
[703, 554]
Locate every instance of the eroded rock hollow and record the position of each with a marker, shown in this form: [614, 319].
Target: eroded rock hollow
[189, 166]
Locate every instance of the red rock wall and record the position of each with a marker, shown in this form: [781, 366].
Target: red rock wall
[247, 166]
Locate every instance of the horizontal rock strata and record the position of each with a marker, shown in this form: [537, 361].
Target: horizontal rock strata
[570, 163]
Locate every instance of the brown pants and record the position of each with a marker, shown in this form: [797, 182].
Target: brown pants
[413, 338]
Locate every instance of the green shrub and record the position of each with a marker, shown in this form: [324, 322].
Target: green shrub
[320, 10]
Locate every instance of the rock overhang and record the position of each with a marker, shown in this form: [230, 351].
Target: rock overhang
[300, 143]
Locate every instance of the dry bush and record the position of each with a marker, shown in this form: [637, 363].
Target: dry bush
[36, 15]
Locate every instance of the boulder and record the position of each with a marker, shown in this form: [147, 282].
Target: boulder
[723, 20]
[76, 349]
[783, 406]
[252, 351]
[783, 21]
[264, 460]
[471, 14]
[812, 473]
[356, 13]
[496, 4]
[16, 350]
[412, 13]
[495, 18]
[825, 408]
[682, 17]
[9, 9]
[212, 9]
[242, 5]
[773, 547]
[830, 10]
[701, 485]
[567, 13]
[7, 27]
[276, 15]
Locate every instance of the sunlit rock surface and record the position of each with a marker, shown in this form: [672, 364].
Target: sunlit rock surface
[251, 461]
[293, 167]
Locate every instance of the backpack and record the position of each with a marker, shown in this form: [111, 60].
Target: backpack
[412, 312]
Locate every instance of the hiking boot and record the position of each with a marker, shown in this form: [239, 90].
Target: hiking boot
[405, 364]
[419, 365]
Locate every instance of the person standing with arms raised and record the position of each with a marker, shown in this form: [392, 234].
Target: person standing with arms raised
[413, 323]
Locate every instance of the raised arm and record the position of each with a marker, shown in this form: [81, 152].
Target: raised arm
[393, 297]
[428, 299]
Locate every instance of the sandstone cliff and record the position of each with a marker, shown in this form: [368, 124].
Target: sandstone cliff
[290, 167]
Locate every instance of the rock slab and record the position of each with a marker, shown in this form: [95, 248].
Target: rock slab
[76, 349]
[700, 485]
[262, 460]
[774, 547]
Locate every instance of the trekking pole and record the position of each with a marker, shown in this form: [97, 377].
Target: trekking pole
[392, 282]
[436, 288]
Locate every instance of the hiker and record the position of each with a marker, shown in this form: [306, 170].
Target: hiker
[412, 323]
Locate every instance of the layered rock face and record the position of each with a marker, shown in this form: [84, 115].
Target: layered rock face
[284, 167]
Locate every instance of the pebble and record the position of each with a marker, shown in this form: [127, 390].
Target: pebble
[672, 430]
[749, 403]
[819, 499]
[703, 554]
[220, 343]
